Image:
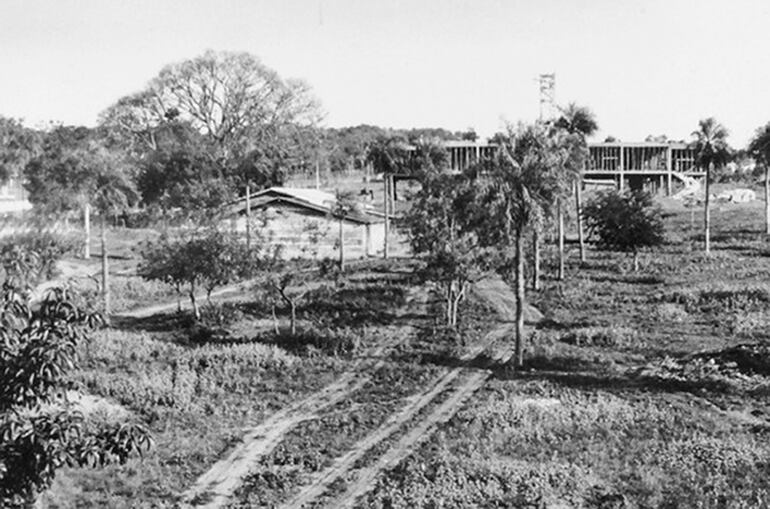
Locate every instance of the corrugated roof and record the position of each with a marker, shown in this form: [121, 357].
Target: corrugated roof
[313, 199]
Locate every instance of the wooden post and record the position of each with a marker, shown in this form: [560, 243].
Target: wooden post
[387, 219]
[248, 215]
[87, 228]
[105, 269]
[561, 241]
[578, 208]
[669, 170]
[367, 240]
[707, 214]
[536, 259]
[342, 242]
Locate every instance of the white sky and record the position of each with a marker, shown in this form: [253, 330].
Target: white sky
[643, 66]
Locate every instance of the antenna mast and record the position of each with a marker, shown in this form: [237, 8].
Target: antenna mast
[547, 96]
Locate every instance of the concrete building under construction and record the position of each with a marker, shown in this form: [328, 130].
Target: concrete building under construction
[654, 166]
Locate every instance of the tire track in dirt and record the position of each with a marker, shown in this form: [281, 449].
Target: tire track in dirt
[406, 445]
[215, 487]
[473, 380]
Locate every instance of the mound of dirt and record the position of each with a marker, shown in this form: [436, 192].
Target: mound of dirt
[502, 299]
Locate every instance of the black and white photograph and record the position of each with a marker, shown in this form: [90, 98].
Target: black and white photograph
[386, 254]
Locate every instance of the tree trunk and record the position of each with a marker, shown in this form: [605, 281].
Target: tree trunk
[536, 259]
[387, 219]
[275, 320]
[456, 304]
[105, 269]
[561, 241]
[448, 307]
[636, 261]
[342, 245]
[87, 228]
[196, 311]
[579, 210]
[767, 199]
[293, 306]
[519, 300]
[317, 174]
[248, 215]
[707, 214]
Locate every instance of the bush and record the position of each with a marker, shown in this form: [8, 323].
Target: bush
[624, 221]
[598, 336]
[336, 342]
[33, 255]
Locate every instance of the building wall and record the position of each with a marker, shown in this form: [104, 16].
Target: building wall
[13, 198]
[308, 234]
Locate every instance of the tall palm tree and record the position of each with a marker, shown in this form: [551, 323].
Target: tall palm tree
[711, 150]
[580, 123]
[759, 148]
[514, 192]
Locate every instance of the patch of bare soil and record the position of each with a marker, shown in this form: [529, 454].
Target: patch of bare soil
[413, 430]
[215, 487]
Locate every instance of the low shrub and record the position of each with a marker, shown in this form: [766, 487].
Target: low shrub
[598, 336]
[669, 312]
[329, 341]
[133, 292]
[720, 298]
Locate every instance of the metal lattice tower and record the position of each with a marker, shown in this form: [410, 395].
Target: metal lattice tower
[547, 96]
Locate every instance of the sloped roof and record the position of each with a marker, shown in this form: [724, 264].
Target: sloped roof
[312, 199]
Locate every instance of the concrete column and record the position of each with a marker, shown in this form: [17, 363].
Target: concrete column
[621, 167]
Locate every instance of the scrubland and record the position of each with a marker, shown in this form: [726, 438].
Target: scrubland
[641, 389]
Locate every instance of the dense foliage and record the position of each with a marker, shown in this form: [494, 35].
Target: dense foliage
[624, 221]
[40, 431]
[204, 260]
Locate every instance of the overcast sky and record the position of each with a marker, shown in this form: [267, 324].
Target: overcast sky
[643, 66]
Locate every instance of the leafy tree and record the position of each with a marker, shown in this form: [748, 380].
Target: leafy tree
[759, 148]
[184, 180]
[18, 145]
[440, 232]
[30, 258]
[290, 286]
[625, 221]
[55, 178]
[233, 99]
[204, 260]
[513, 191]
[711, 151]
[39, 431]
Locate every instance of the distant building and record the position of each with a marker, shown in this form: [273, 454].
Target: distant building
[655, 165]
[300, 220]
[13, 197]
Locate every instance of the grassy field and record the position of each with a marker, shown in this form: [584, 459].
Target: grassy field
[641, 389]
[644, 389]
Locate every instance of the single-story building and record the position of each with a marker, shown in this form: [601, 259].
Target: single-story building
[13, 197]
[302, 222]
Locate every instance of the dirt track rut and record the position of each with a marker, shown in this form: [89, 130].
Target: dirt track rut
[471, 381]
[215, 487]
